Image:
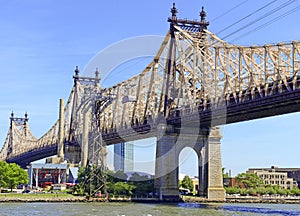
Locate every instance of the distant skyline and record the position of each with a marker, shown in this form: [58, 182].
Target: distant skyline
[41, 42]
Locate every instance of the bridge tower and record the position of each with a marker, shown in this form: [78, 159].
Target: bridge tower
[85, 89]
[205, 141]
[17, 123]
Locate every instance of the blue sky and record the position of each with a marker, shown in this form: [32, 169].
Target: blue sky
[41, 42]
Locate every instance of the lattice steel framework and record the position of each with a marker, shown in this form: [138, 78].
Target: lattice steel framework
[19, 139]
[194, 70]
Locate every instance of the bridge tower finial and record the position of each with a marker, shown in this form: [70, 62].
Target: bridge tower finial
[97, 78]
[76, 77]
[11, 118]
[76, 71]
[26, 117]
[203, 22]
[174, 11]
[97, 73]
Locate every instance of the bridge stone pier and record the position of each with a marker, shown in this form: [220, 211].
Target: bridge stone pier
[206, 143]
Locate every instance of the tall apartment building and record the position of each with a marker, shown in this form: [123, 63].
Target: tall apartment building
[273, 176]
[123, 157]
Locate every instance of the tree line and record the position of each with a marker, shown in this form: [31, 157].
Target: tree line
[251, 184]
[92, 181]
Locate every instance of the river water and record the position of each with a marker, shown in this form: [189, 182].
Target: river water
[138, 209]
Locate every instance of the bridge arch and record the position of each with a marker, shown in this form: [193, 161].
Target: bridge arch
[190, 155]
[201, 151]
[208, 151]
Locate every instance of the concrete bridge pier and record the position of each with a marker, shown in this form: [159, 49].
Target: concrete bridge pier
[166, 168]
[207, 146]
[213, 166]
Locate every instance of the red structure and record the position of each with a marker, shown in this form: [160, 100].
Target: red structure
[43, 175]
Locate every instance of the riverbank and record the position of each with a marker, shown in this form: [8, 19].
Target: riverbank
[40, 198]
[70, 198]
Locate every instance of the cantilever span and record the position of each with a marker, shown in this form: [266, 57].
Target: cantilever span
[195, 74]
[196, 80]
[22, 147]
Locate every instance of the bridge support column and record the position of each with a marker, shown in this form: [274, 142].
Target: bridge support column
[215, 190]
[202, 172]
[37, 178]
[60, 148]
[85, 139]
[166, 168]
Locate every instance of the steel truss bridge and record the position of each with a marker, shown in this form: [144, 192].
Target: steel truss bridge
[195, 77]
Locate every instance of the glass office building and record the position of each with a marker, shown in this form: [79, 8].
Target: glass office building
[123, 157]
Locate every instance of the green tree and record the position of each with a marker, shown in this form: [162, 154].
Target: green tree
[3, 170]
[261, 190]
[252, 191]
[143, 184]
[91, 179]
[121, 176]
[123, 188]
[82, 187]
[118, 176]
[250, 180]
[232, 190]
[270, 190]
[243, 191]
[295, 191]
[282, 191]
[180, 183]
[12, 175]
[187, 183]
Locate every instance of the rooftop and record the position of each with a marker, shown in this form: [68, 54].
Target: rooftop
[48, 166]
